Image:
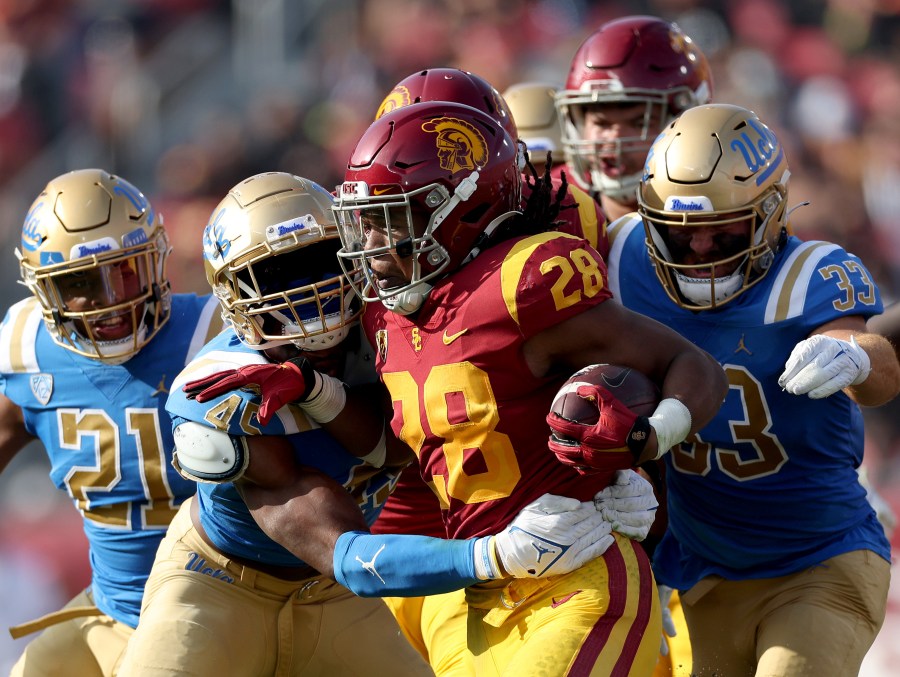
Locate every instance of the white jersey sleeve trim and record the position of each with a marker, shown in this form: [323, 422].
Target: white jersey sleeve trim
[202, 330]
[18, 338]
[788, 294]
[618, 232]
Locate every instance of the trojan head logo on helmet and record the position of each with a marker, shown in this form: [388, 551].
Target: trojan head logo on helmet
[269, 252]
[717, 168]
[632, 60]
[435, 179]
[460, 145]
[93, 252]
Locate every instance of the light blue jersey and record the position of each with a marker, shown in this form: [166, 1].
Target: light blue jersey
[223, 514]
[769, 487]
[108, 437]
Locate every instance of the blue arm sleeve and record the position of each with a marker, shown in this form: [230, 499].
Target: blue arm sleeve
[402, 565]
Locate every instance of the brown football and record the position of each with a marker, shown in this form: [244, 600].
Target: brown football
[635, 390]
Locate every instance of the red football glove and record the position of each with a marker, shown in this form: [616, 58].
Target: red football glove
[598, 447]
[278, 384]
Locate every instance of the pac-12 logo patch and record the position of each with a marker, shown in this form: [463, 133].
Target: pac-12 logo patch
[42, 387]
[460, 145]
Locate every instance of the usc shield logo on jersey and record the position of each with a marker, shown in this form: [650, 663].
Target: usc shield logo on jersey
[460, 145]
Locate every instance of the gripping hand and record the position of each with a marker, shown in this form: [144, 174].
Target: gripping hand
[552, 535]
[618, 429]
[628, 504]
[822, 365]
[278, 384]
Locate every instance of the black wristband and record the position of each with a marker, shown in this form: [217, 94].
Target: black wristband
[309, 375]
[638, 436]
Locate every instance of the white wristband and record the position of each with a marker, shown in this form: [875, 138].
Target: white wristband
[486, 565]
[672, 422]
[326, 400]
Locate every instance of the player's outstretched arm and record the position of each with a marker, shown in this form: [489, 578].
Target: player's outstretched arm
[353, 416]
[318, 521]
[842, 355]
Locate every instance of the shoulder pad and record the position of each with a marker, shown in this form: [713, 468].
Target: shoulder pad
[205, 454]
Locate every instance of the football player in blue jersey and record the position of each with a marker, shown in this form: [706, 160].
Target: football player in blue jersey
[278, 533]
[86, 363]
[781, 563]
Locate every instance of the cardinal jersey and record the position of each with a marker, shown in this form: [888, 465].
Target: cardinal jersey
[108, 437]
[464, 398]
[769, 487]
[223, 514]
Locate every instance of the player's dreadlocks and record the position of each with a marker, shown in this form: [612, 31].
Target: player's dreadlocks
[541, 211]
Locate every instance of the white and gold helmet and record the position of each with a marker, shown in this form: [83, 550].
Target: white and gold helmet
[533, 108]
[93, 252]
[714, 166]
[270, 253]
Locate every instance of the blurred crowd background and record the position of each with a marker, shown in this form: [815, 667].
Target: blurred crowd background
[184, 98]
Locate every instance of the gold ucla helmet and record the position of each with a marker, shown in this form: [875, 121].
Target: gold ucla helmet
[714, 165]
[533, 108]
[270, 253]
[93, 252]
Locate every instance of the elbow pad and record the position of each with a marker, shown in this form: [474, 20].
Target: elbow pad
[205, 454]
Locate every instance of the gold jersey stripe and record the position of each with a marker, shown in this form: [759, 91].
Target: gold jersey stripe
[19, 337]
[591, 228]
[514, 264]
[788, 294]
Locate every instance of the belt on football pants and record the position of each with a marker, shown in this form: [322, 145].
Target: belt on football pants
[501, 598]
[53, 618]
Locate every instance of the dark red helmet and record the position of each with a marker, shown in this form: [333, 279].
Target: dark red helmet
[635, 59]
[436, 177]
[450, 84]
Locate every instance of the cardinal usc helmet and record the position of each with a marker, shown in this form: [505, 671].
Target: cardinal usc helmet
[450, 84]
[434, 179]
[269, 252]
[632, 60]
[533, 108]
[716, 166]
[93, 252]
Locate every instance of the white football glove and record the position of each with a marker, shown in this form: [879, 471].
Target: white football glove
[668, 623]
[821, 365]
[628, 504]
[552, 535]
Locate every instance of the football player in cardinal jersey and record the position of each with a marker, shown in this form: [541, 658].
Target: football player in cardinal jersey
[413, 507]
[86, 363]
[771, 540]
[278, 531]
[627, 80]
[475, 326]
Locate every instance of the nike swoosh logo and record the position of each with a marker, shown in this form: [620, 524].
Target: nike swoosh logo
[562, 600]
[450, 338]
[380, 191]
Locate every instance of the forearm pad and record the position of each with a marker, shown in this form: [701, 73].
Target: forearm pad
[402, 565]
